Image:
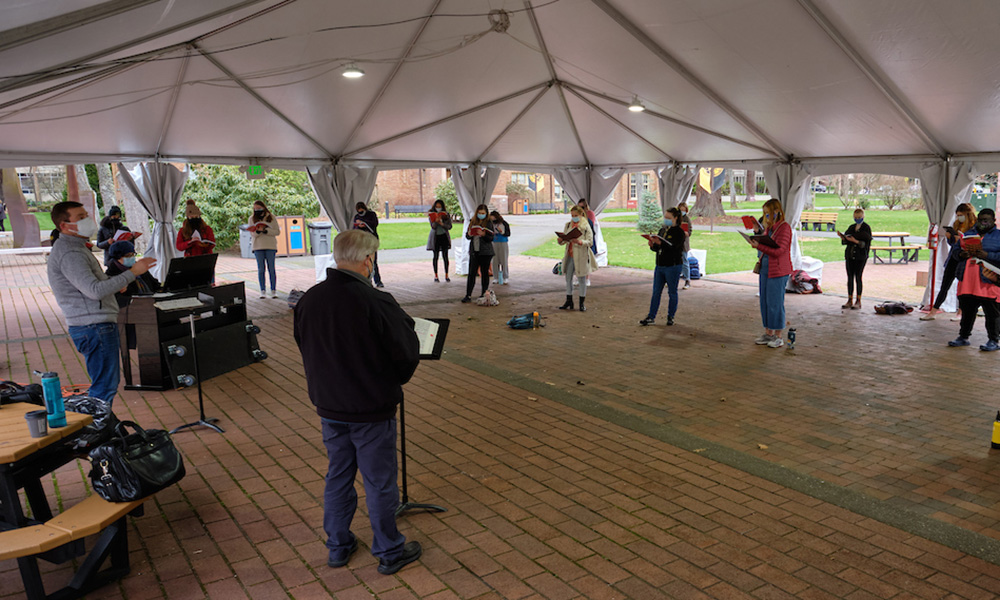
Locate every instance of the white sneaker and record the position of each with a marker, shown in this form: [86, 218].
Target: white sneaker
[262, 294]
[776, 343]
[588, 282]
[687, 285]
[274, 294]
[764, 339]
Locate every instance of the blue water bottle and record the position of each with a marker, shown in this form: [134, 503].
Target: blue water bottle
[54, 407]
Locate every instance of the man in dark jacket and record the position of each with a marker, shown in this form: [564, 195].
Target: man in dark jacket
[358, 348]
[367, 220]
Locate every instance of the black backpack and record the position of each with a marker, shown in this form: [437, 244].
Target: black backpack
[11, 392]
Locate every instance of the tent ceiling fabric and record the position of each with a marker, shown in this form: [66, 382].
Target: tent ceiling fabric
[542, 83]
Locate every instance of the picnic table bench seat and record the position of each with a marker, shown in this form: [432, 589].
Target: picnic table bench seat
[908, 254]
[817, 220]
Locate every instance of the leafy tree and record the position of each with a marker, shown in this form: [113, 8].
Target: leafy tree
[445, 192]
[225, 197]
[516, 190]
[650, 213]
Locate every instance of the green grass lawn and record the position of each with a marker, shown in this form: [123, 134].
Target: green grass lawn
[727, 252]
[393, 236]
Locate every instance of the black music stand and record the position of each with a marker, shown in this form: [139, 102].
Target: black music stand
[202, 420]
[434, 354]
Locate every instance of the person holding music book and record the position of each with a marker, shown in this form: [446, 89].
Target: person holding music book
[480, 236]
[686, 225]
[774, 247]
[195, 237]
[264, 230]
[365, 219]
[579, 259]
[113, 230]
[856, 240]
[965, 221]
[668, 244]
[439, 239]
[977, 290]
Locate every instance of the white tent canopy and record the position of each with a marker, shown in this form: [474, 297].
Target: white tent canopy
[536, 83]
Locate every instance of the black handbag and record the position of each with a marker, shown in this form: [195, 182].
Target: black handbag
[131, 466]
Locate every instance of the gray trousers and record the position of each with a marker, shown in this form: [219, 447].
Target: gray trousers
[500, 254]
[581, 280]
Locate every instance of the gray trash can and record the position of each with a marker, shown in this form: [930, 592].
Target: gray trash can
[246, 242]
[319, 237]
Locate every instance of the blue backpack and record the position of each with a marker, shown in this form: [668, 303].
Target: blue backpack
[695, 270]
[525, 321]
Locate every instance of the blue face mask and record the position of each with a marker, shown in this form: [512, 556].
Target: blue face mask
[128, 261]
[481, 215]
[684, 213]
[858, 221]
[668, 222]
[576, 219]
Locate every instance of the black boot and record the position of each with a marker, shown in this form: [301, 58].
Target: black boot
[568, 305]
[582, 307]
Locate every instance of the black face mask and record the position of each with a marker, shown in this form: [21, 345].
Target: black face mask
[258, 213]
[984, 227]
[195, 223]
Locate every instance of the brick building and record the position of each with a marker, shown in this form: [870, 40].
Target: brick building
[401, 191]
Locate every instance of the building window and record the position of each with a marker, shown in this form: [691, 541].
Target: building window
[521, 178]
[557, 189]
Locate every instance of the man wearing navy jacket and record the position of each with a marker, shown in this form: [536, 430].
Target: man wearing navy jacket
[358, 348]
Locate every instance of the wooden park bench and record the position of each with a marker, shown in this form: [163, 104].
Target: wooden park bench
[817, 220]
[533, 206]
[411, 209]
[94, 515]
[907, 254]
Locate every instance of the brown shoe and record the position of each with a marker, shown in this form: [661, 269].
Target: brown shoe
[857, 304]
[848, 305]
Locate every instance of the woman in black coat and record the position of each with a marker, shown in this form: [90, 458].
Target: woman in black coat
[110, 226]
[857, 239]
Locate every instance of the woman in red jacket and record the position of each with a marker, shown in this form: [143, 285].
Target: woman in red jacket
[195, 237]
[775, 267]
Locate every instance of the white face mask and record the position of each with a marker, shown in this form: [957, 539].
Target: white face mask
[86, 228]
[960, 218]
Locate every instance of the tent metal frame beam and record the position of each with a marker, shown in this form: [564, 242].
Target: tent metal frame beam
[168, 116]
[39, 30]
[877, 79]
[392, 76]
[554, 77]
[451, 117]
[606, 115]
[691, 78]
[652, 113]
[256, 96]
[511, 125]
[20, 82]
[61, 89]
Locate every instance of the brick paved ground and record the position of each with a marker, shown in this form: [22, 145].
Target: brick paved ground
[589, 459]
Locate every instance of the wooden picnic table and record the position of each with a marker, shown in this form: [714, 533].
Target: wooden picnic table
[907, 253]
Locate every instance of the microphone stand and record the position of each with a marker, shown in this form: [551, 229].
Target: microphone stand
[202, 420]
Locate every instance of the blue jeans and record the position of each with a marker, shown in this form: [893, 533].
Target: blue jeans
[772, 298]
[372, 448]
[685, 267]
[98, 343]
[265, 257]
[669, 276]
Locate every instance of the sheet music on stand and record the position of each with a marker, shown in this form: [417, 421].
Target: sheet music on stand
[431, 333]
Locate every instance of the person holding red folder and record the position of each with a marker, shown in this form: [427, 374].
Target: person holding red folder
[579, 259]
[668, 244]
[775, 267]
[480, 236]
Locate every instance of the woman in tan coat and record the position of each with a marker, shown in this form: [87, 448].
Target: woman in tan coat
[264, 229]
[579, 259]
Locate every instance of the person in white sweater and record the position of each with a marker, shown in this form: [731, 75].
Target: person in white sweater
[264, 229]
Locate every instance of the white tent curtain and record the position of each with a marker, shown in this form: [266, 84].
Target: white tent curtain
[158, 187]
[789, 183]
[473, 186]
[602, 182]
[940, 206]
[675, 183]
[339, 187]
[573, 181]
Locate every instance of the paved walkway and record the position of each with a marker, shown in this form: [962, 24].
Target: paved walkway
[588, 459]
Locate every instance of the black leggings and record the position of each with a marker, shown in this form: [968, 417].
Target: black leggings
[970, 304]
[482, 264]
[948, 278]
[854, 270]
[442, 249]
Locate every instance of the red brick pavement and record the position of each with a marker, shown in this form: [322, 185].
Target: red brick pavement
[588, 459]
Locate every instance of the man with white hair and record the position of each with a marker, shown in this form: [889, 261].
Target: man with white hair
[358, 348]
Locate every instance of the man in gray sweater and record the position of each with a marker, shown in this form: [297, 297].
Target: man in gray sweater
[87, 296]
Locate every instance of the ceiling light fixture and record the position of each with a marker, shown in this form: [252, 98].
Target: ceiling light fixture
[353, 72]
[636, 106]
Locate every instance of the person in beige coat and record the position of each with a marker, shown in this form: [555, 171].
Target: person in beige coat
[264, 229]
[579, 259]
